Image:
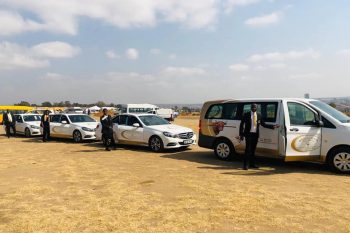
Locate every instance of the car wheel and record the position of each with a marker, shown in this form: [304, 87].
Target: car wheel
[27, 133]
[77, 136]
[156, 144]
[224, 149]
[339, 160]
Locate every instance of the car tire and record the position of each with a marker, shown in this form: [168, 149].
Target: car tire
[77, 137]
[339, 160]
[224, 149]
[156, 144]
[27, 133]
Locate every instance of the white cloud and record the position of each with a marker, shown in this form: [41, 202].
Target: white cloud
[279, 56]
[231, 4]
[155, 51]
[305, 76]
[13, 23]
[239, 67]
[270, 66]
[112, 55]
[183, 71]
[172, 56]
[56, 49]
[343, 52]
[132, 54]
[63, 16]
[265, 20]
[53, 77]
[13, 56]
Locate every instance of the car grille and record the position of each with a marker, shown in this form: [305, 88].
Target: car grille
[186, 135]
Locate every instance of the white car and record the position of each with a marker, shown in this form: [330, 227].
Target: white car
[149, 130]
[28, 124]
[79, 127]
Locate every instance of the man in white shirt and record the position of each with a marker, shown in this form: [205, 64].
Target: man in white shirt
[9, 122]
[249, 129]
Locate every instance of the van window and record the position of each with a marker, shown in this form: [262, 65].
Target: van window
[214, 112]
[247, 107]
[55, 118]
[268, 110]
[300, 114]
[230, 111]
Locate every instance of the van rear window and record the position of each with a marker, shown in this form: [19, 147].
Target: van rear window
[226, 111]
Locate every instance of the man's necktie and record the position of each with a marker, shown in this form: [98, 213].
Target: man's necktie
[255, 119]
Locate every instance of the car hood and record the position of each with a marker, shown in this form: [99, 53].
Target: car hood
[91, 125]
[175, 129]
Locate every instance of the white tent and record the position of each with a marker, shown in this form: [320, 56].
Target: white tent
[94, 109]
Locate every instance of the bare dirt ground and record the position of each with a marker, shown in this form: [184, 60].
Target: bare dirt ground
[65, 187]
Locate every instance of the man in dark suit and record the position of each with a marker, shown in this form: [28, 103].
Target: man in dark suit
[9, 122]
[249, 129]
[107, 130]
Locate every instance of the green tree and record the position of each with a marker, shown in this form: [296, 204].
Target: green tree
[46, 104]
[23, 103]
[333, 105]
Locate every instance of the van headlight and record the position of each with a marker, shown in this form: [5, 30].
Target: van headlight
[170, 135]
[34, 127]
[87, 129]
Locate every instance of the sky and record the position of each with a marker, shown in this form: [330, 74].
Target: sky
[172, 51]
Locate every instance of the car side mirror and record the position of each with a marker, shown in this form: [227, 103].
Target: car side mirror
[320, 123]
[64, 122]
[137, 125]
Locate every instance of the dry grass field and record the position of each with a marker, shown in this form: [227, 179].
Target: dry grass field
[63, 187]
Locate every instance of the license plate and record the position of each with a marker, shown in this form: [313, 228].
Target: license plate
[186, 142]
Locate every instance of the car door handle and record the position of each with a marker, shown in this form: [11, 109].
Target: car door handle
[294, 129]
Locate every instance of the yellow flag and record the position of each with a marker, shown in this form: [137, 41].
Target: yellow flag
[255, 119]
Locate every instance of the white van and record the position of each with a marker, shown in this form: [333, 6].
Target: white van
[310, 130]
[166, 113]
[138, 108]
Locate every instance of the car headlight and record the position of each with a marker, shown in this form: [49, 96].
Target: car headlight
[170, 135]
[87, 129]
[34, 127]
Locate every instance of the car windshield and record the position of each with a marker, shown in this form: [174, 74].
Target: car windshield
[32, 118]
[80, 118]
[153, 120]
[331, 111]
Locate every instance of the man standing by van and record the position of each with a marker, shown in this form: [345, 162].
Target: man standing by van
[107, 130]
[9, 122]
[249, 129]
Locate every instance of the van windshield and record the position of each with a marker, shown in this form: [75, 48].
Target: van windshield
[331, 111]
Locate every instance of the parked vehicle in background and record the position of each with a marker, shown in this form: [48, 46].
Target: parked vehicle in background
[28, 124]
[138, 108]
[149, 130]
[166, 113]
[74, 110]
[79, 127]
[310, 130]
[14, 110]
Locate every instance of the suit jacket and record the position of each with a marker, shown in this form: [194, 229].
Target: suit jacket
[6, 119]
[43, 122]
[107, 125]
[246, 124]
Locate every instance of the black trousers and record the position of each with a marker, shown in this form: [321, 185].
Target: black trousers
[8, 130]
[251, 141]
[46, 133]
[109, 140]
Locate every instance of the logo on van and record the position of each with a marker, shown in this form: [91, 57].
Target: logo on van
[218, 127]
[306, 143]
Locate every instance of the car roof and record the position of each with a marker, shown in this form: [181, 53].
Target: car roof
[260, 100]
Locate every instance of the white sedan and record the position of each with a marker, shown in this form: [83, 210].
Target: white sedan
[79, 127]
[149, 130]
[28, 124]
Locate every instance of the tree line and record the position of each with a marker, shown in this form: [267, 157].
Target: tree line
[64, 104]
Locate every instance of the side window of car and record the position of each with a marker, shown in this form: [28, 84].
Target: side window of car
[122, 120]
[19, 119]
[215, 112]
[132, 120]
[230, 111]
[64, 118]
[55, 118]
[116, 120]
[300, 114]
